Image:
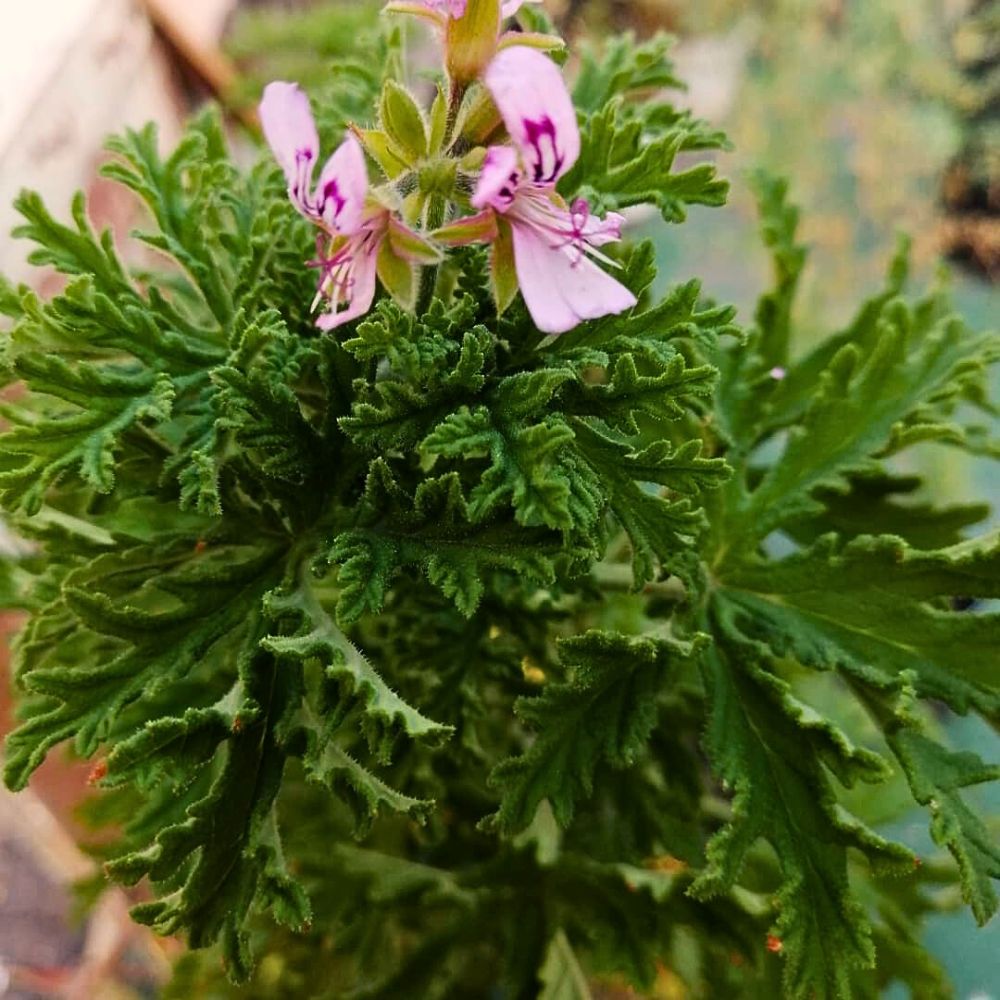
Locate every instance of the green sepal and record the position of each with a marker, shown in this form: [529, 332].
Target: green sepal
[438, 122]
[503, 272]
[398, 276]
[403, 121]
[411, 246]
[479, 228]
[381, 149]
[533, 40]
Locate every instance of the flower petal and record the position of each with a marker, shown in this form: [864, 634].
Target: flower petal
[343, 185]
[361, 292]
[562, 288]
[287, 121]
[531, 95]
[499, 179]
[595, 230]
[510, 7]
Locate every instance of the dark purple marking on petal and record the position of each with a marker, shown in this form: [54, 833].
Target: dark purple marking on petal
[331, 193]
[509, 191]
[548, 160]
[303, 168]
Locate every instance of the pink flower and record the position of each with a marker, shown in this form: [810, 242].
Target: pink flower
[347, 267]
[359, 237]
[337, 200]
[449, 8]
[336, 204]
[554, 245]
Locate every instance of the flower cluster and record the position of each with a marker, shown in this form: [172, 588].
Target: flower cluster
[549, 249]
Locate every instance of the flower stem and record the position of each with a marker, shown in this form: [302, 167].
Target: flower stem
[433, 219]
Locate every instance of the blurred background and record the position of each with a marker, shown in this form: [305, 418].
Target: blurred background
[884, 114]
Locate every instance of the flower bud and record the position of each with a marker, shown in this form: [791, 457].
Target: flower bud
[471, 40]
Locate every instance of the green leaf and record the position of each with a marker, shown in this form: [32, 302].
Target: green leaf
[629, 393]
[876, 504]
[192, 196]
[779, 223]
[603, 713]
[863, 401]
[936, 777]
[232, 834]
[623, 67]
[620, 165]
[173, 748]
[861, 609]
[899, 908]
[759, 739]
[256, 408]
[331, 766]
[415, 348]
[683, 470]
[146, 617]
[561, 975]
[398, 414]
[660, 530]
[533, 467]
[315, 635]
[106, 403]
[873, 594]
[434, 531]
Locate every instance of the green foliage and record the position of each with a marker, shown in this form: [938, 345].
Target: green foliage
[334, 48]
[232, 834]
[630, 142]
[436, 658]
[873, 608]
[561, 975]
[603, 713]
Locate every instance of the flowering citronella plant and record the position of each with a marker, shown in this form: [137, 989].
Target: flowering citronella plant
[447, 613]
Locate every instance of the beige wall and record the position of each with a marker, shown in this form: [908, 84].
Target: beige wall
[71, 71]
